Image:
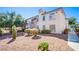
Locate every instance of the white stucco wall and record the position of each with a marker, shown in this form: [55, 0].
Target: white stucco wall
[58, 20]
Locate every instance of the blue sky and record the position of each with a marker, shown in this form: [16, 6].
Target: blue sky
[27, 12]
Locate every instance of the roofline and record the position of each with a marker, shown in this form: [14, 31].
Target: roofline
[54, 10]
[47, 12]
[31, 17]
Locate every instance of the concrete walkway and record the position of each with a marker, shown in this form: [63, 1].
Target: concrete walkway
[73, 40]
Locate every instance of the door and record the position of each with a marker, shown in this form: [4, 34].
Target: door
[52, 28]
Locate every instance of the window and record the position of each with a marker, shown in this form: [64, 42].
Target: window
[43, 27]
[52, 28]
[52, 16]
[37, 20]
[43, 18]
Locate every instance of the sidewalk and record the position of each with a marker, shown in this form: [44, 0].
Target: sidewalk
[74, 45]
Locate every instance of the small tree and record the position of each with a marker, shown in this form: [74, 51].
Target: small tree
[43, 46]
[14, 31]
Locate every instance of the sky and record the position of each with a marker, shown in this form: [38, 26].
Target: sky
[28, 12]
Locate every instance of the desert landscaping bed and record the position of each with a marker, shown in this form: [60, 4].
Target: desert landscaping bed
[23, 43]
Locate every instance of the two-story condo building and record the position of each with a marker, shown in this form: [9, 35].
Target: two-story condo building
[52, 20]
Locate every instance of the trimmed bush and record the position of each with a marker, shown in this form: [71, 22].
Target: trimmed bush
[14, 32]
[1, 32]
[43, 46]
[66, 31]
[34, 32]
[45, 31]
[28, 31]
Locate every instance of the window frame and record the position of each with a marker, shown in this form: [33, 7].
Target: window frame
[51, 16]
[43, 17]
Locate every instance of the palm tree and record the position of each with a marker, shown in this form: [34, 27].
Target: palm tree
[12, 18]
[2, 20]
[23, 24]
[18, 20]
[9, 19]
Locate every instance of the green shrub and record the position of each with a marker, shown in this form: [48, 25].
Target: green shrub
[66, 31]
[1, 32]
[14, 32]
[45, 31]
[43, 46]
